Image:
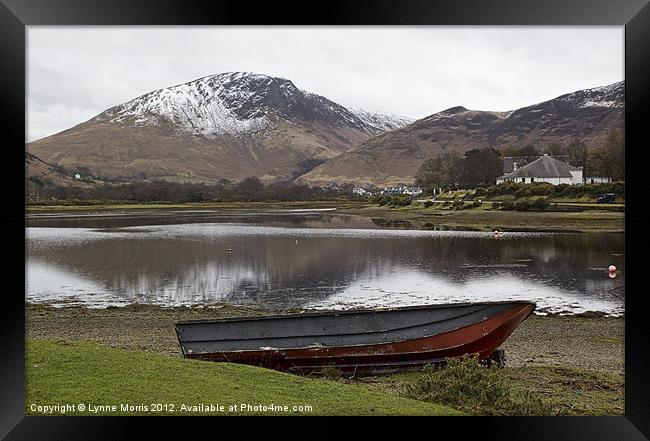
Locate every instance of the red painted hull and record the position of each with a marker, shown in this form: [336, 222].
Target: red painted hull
[481, 338]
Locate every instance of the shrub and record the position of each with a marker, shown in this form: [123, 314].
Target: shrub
[560, 189]
[618, 187]
[504, 188]
[400, 200]
[541, 189]
[476, 203]
[540, 203]
[522, 192]
[508, 206]
[480, 191]
[428, 204]
[380, 199]
[613, 187]
[330, 372]
[523, 205]
[534, 189]
[574, 190]
[458, 205]
[469, 386]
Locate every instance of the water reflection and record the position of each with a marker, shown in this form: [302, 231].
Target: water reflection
[320, 263]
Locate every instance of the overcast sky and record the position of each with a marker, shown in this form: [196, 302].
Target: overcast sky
[74, 73]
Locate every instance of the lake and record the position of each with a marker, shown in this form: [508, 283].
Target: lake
[310, 259]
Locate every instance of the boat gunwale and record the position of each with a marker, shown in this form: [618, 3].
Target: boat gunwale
[367, 332]
[357, 345]
[334, 313]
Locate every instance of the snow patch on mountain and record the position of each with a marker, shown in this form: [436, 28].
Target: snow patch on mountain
[380, 121]
[241, 103]
[206, 106]
[455, 113]
[610, 96]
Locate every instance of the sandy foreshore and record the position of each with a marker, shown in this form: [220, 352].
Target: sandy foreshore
[585, 342]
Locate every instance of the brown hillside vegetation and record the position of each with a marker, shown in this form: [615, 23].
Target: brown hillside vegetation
[395, 157]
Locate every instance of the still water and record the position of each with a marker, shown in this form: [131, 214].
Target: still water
[311, 259]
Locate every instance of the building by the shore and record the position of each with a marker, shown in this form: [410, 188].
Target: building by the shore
[544, 169]
[411, 191]
[370, 190]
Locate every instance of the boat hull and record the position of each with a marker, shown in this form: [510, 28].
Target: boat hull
[360, 344]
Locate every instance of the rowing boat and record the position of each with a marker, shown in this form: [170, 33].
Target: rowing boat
[359, 341]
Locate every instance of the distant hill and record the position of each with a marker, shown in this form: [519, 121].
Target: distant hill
[395, 156]
[43, 173]
[230, 125]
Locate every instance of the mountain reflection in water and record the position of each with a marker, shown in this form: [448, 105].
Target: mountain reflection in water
[317, 261]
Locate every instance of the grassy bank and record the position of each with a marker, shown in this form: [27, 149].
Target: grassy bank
[482, 218]
[573, 364]
[543, 390]
[416, 215]
[96, 375]
[97, 206]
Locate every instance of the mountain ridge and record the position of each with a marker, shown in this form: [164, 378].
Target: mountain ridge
[230, 125]
[395, 156]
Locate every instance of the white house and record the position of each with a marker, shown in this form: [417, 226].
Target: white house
[544, 169]
[411, 191]
[359, 191]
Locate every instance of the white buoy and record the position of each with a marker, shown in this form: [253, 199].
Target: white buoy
[612, 269]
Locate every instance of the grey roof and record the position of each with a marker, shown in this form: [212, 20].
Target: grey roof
[543, 167]
[509, 163]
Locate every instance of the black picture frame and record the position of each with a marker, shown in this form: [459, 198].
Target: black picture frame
[15, 15]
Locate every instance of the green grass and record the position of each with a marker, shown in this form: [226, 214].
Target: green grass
[572, 391]
[467, 385]
[530, 390]
[415, 215]
[60, 373]
[485, 219]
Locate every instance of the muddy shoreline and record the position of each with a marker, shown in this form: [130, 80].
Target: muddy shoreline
[585, 342]
[415, 216]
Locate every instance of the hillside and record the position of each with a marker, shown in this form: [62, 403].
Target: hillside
[231, 125]
[394, 157]
[43, 173]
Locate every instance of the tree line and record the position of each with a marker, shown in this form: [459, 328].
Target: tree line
[481, 167]
[249, 189]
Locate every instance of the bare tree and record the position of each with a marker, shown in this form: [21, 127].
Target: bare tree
[578, 155]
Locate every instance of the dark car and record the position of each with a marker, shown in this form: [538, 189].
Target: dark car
[608, 198]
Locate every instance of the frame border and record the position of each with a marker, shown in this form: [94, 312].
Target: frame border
[15, 15]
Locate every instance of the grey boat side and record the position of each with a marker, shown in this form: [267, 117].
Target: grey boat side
[332, 328]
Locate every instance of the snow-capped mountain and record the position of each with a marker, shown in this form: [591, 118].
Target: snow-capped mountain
[612, 96]
[239, 124]
[230, 125]
[395, 157]
[237, 103]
